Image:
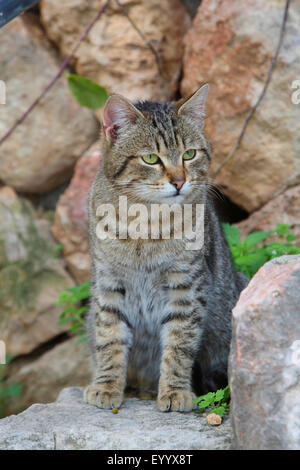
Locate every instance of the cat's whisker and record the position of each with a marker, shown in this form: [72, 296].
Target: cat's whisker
[212, 189]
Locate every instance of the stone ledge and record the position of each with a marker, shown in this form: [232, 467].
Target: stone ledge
[71, 424]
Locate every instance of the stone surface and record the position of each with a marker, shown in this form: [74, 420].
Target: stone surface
[31, 279]
[114, 55]
[71, 217]
[283, 209]
[69, 423]
[230, 46]
[65, 365]
[42, 151]
[264, 366]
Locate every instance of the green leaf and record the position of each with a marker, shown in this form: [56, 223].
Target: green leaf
[226, 393]
[291, 238]
[219, 395]
[82, 338]
[232, 234]
[257, 259]
[220, 410]
[205, 401]
[282, 229]
[86, 92]
[255, 238]
[58, 250]
[13, 390]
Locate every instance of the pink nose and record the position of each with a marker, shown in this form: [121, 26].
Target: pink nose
[178, 183]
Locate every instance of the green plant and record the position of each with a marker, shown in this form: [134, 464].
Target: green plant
[215, 402]
[252, 252]
[7, 392]
[86, 92]
[74, 305]
[57, 250]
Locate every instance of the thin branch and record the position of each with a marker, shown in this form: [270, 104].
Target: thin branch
[58, 75]
[261, 96]
[143, 37]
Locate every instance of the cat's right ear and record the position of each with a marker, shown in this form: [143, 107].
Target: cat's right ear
[118, 114]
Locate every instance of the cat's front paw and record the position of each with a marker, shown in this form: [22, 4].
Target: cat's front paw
[103, 396]
[175, 400]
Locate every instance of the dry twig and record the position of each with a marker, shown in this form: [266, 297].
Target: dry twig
[58, 75]
[143, 37]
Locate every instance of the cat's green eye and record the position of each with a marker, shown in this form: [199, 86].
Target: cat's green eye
[189, 154]
[151, 159]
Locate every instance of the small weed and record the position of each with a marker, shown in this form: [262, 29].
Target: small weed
[57, 251]
[73, 311]
[215, 402]
[253, 252]
[7, 392]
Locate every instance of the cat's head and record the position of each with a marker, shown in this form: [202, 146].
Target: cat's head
[156, 152]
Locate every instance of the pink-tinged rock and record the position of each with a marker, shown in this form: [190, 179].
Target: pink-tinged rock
[264, 365]
[114, 54]
[283, 209]
[71, 217]
[230, 45]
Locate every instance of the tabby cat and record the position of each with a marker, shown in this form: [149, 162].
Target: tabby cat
[160, 315]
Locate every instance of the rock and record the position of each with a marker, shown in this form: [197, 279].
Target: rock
[114, 55]
[42, 151]
[69, 423]
[230, 46]
[213, 419]
[31, 279]
[283, 209]
[264, 366]
[65, 365]
[71, 217]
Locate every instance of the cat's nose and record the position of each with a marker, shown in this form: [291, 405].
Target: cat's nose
[178, 183]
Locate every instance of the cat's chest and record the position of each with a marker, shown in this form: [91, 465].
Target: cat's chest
[146, 300]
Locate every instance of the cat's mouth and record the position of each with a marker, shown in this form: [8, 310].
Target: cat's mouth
[176, 197]
[177, 194]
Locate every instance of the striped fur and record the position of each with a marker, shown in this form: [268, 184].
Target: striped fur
[160, 315]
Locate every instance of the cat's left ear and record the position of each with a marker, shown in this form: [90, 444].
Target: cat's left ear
[118, 114]
[194, 106]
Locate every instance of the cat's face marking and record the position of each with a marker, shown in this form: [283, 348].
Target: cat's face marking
[156, 152]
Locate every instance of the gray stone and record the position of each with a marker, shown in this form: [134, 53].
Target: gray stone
[31, 278]
[264, 366]
[69, 423]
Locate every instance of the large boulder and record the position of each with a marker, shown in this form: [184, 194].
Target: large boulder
[231, 45]
[264, 365]
[71, 217]
[43, 378]
[42, 151]
[70, 424]
[283, 209]
[114, 54]
[31, 278]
